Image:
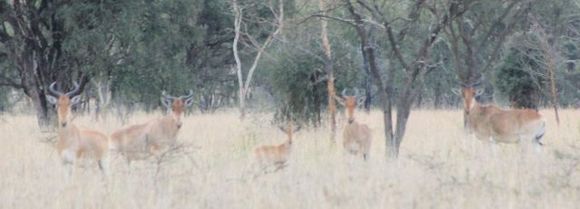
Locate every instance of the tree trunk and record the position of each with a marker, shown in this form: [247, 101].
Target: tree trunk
[40, 106]
[384, 90]
[331, 105]
[404, 104]
[242, 99]
[368, 80]
[329, 71]
[28, 66]
[437, 95]
[244, 86]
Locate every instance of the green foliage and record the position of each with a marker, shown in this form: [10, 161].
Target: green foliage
[293, 89]
[518, 79]
[143, 47]
[4, 98]
[140, 45]
[440, 80]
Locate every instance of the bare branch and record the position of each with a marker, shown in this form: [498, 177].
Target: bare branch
[267, 42]
[497, 23]
[338, 19]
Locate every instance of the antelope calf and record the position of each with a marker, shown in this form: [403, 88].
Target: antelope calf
[276, 155]
[74, 142]
[356, 136]
[140, 141]
[489, 122]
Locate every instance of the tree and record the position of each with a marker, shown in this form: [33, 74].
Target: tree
[415, 64]
[475, 37]
[517, 79]
[33, 36]
[130, 46]
[328, 68]
[244, 84]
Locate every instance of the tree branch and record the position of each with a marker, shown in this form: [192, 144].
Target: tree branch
[503, 36]
[496, 24]
[267, 42]
[5, 81]
[338, 19]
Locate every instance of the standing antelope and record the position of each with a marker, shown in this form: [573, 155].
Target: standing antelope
[142, 140]
[74, 142]
[276, 155]
[489, 122]
[356, 136]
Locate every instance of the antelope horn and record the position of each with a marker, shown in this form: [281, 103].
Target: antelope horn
[167, 96]
[75, 90]
[479, 92]
[297, 129]
[188, 95]
[344, 92]
[54, 91]
[477, 82]
[283, 129]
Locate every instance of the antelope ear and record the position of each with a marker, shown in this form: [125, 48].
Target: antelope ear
[189, 101]
[479, 92]
[166, 101]
[75, 100]
[51, 99]
[360, 101]
[283, 129]
[339, 99]
[456, 91]
[297, 129]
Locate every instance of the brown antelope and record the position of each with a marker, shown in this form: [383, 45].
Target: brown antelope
[276, 155]
[74, 142]
[356, 136]
[142, 140]
[489, 122]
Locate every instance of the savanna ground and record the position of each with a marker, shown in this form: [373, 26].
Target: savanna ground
[439, 167]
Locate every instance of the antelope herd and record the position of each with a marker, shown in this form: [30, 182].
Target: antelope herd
[140, 141]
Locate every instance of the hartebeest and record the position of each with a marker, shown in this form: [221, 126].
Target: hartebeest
[74, 142]
[276, 155]
[356, 136]
[489, 122]
[142, 140]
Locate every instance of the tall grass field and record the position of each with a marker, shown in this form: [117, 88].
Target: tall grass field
[440, 166]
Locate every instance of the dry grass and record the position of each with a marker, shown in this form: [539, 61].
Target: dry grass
[439, 167]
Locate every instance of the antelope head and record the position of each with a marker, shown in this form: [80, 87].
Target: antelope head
[289, 130]
[64, 102]
[469, 93]
[469, 98]
[350, 102]
[176, 105]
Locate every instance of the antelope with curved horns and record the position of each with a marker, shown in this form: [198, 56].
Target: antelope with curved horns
[356, 136]
[74, 142]
[276, 155]
[489, 122]
[142, 140]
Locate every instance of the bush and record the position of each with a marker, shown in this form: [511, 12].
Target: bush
[517, 78]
